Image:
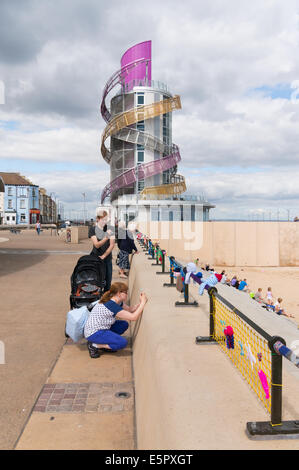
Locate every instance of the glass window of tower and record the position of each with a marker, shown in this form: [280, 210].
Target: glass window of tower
[140, 125]
[166, 128]
[140, 185]
[140, 99]
[140, 157]
[166, 177]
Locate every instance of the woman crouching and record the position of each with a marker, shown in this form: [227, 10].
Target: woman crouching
[102, 330]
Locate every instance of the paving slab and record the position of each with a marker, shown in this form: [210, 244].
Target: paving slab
[75, 365]
[78, 431]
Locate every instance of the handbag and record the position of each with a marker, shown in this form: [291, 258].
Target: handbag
[179, 283]
[75, 322]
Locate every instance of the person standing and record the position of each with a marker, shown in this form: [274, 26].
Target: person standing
[103, 240]
[37, 227]
[269, 295]
[126, 245]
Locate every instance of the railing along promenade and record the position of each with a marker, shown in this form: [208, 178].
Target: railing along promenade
[257, 355]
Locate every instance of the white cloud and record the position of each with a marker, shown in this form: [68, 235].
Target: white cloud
[53, 145]
[69, 186]
[240, 193]
[214, 54]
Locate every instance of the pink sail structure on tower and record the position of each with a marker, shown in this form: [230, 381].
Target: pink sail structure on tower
[142, 73]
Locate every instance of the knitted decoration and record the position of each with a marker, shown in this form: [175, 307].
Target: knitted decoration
[264, 382]
[229, 334]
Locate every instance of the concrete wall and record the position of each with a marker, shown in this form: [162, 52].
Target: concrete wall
[78, 233]
[229, 243]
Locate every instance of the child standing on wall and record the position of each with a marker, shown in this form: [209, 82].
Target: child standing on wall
[269, 295]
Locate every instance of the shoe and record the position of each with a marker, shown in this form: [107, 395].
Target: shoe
[93, 351]
[107, 350]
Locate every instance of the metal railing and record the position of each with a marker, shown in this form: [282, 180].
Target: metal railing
[256, 354]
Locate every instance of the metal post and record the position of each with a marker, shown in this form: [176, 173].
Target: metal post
[84, 209]
[171, 284]
[145, 245]
[276, 426]
[210, 338]
[276, 389]
[211, 315]
[157, 256]
[137, 182]
[186, 299]
[150, 250]
[163, 261]
[163, 264]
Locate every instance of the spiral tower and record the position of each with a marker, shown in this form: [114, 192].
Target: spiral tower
[142, 158]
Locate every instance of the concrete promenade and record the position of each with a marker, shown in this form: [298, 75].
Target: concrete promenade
[179, 395]
[192, 396]
[53, 395]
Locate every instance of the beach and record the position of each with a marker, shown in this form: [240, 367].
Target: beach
[283, 281]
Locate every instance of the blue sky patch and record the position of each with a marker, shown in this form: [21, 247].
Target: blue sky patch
[279, 91]
[34, 166]
[9, 125]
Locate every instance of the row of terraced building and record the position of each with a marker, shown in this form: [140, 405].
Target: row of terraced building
[22, 202]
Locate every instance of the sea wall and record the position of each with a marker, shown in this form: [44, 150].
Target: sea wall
[228, 243]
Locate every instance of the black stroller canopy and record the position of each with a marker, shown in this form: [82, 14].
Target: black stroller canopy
[87, 281]
[88, 270]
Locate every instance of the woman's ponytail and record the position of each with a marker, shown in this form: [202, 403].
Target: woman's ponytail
[106, 297]
[115, 288]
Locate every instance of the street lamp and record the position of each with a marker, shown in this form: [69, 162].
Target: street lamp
[84, 212]
[53, 207]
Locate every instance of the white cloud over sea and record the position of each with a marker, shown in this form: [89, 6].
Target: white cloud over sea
[234, 64]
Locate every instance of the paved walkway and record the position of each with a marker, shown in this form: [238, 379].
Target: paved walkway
[55, 396]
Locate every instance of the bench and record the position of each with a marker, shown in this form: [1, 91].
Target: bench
[15, 230]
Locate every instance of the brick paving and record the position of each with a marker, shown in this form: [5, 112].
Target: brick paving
[106, 397]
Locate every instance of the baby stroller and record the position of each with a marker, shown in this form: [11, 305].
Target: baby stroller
[87, 281]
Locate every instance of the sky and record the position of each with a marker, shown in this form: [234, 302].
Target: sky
[234, 64]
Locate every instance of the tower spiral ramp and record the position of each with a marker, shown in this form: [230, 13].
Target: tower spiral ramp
[120, 127]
